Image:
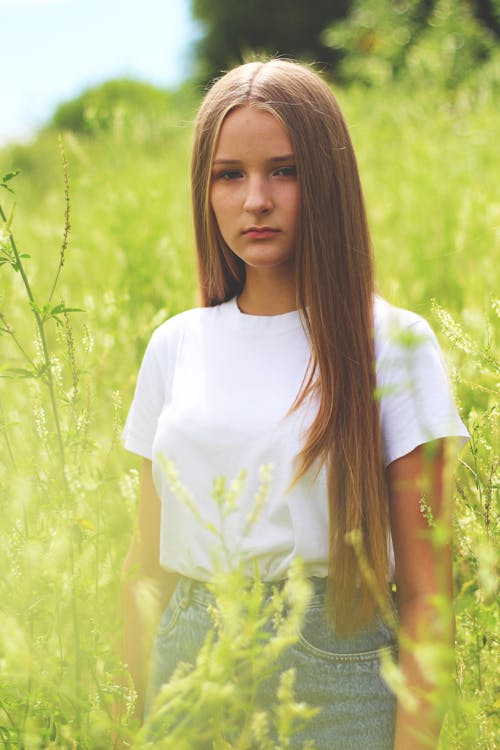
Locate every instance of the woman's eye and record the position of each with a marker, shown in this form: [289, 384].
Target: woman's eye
[286, 172]
[231, 174]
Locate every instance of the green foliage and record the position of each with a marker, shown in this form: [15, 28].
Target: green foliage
[453, 45]
[55, 656]
[285, 27]
[69, 492]
[115, 105]
[367, 41]
[430, 43]
[213, 702]
[477, 528]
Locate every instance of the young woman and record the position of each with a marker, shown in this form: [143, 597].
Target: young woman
[293, 361]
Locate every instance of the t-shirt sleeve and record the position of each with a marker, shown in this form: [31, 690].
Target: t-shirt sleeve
[148, 401]
[416, 400]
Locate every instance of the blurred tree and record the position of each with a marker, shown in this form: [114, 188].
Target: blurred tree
[367, 40]
[102, 107]
[488, 12]
[441, 40]
[285, 27]
[454, 46]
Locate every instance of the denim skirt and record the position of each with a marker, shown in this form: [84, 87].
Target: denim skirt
[338, 675]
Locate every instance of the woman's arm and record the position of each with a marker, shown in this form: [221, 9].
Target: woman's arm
[424, 582]
[142, 568]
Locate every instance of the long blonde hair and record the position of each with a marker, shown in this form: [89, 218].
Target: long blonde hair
[335, 288]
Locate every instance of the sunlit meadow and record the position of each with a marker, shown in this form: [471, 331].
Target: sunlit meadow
[96, 249]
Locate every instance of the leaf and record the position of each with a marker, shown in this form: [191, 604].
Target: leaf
[10, 220]
[20, 372]
[85, 524]
[10, 175]
[63, 309]
[7, 178]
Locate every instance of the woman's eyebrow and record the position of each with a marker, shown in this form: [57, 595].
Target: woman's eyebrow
[273, 160]
[286, 157]
[227, 161]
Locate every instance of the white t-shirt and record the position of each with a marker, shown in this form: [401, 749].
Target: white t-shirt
[211, 399]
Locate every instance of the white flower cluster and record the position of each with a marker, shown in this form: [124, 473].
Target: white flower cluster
[4, 238]
[453, 330]
[82, 421]
[40, 421]
[38, 348]
[56, 369]
[129, 485]
[109, 304]
[88, 340]
[117, 403]
[262, 495]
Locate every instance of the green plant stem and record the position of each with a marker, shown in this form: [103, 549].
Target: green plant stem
[10, 331]
[76, 631]
[50, 384]
[43, 339]
[6, 436]
[479, 670]
[4, 708]
[28, 699]
[67, 224]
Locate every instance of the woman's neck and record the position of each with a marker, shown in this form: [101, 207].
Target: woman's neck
[264, 295]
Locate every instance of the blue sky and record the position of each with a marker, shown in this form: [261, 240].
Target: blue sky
[52, 49]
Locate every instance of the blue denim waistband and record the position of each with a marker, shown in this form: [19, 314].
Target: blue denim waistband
[192, 591]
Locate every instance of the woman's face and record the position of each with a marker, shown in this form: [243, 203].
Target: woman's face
[254, 191]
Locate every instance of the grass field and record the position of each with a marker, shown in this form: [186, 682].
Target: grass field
[69, 490]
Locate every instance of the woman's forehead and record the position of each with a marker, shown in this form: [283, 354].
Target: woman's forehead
[252, 129]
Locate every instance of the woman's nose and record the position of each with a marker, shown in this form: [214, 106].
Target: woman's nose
[258, 198]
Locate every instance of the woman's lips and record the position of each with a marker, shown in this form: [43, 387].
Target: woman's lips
[260, 233]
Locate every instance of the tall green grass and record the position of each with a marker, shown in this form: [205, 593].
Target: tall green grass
[68, 489]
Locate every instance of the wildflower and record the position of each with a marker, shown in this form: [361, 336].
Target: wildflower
[108, 342]
[426, 510]
[129, 484]
[88, 341]
[285, 689]
[109, 303]
[227, 497]
[395, 679]
[117, 403]
[40, 421]
[56, 369]
[453, 330]
[262, 495]
[487, 568]
[38, 348]
[297, 593]
[159, 317]
[82, 421]
[260, 730]
[4, 239]
[177, 488]
[288, 709]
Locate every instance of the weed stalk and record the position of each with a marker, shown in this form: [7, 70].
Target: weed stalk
[42, 315]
